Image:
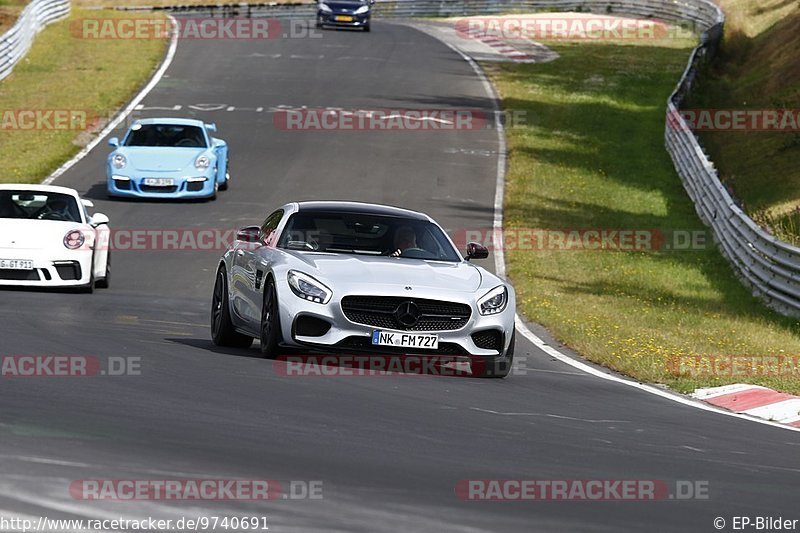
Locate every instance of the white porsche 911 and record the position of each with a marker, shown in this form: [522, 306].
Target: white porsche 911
[343, 277]
[47, 239]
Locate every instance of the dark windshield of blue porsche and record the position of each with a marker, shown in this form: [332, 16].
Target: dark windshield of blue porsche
[170, 135]
[367, 234]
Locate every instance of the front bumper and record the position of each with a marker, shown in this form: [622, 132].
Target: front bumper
[70, 268]
[128, 184]
[330, 19]
[346, 336]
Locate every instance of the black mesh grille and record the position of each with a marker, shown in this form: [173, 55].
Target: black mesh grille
[309, 326]
[165, 190]
[361, 344]
[491, 339]
[19, 275]
[379, 312]
[195, 186]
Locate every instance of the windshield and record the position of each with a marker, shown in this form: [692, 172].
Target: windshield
[171, 135]
[367, 234]
[39, 206]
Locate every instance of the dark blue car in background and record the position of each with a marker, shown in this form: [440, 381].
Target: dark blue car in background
[344, 13]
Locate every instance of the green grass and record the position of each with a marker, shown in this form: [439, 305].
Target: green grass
[758, 69]
[591, 155]
[63, 72]
[9, 11]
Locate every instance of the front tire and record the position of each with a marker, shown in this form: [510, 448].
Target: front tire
[222, 331]
[270, 322]
[224, 185]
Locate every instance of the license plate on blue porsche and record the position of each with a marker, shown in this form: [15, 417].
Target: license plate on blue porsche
[159, 182]
[405, 340]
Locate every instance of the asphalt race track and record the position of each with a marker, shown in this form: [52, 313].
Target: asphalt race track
[388, 450]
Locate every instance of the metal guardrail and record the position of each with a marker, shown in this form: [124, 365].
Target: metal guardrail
[16, 42]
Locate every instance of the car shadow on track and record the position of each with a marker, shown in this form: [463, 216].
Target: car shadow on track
[98, 191]
[301, 362]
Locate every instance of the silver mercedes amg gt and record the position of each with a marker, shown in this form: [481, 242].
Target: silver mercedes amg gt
[347, 277]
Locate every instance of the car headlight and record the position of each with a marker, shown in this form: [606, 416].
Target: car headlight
[494, 301]
[202, 162]
[309, 288]
[74, 239]
[119, 161]
[361, 10]
[324, 8]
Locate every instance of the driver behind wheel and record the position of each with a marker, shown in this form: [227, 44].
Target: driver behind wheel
[404, 238]
[58, 207]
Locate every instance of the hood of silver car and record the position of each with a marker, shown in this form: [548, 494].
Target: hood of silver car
[415, 273]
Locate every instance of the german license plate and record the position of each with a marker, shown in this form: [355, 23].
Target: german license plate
[16, 264]
[405, 340]
[159, 182]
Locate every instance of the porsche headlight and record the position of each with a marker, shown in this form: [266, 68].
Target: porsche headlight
[202, 162]
[494, 301]
[324, 8]
[119, 161]
[74, 239]
[308, 288]
[361, 10]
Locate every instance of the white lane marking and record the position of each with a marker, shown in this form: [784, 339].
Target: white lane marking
[500, 270]
[140, 107]
[44, 461]
[173, 46]
[550, 415]
[528, 369]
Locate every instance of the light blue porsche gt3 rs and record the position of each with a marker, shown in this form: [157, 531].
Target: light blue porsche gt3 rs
[168, 158]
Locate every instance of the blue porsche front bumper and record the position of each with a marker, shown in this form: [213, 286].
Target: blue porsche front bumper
[164, 185]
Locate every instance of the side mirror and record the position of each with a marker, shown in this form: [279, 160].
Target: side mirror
[476, 251]
[99, 218]
[87, 203]
[211, 127]
[113, 141]
[248, 234]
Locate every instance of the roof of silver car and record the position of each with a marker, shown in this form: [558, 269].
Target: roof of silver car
[359, 207]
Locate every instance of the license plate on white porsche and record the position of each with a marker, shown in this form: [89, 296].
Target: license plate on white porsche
[159, 182]
[405, 340]
[16, 264]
